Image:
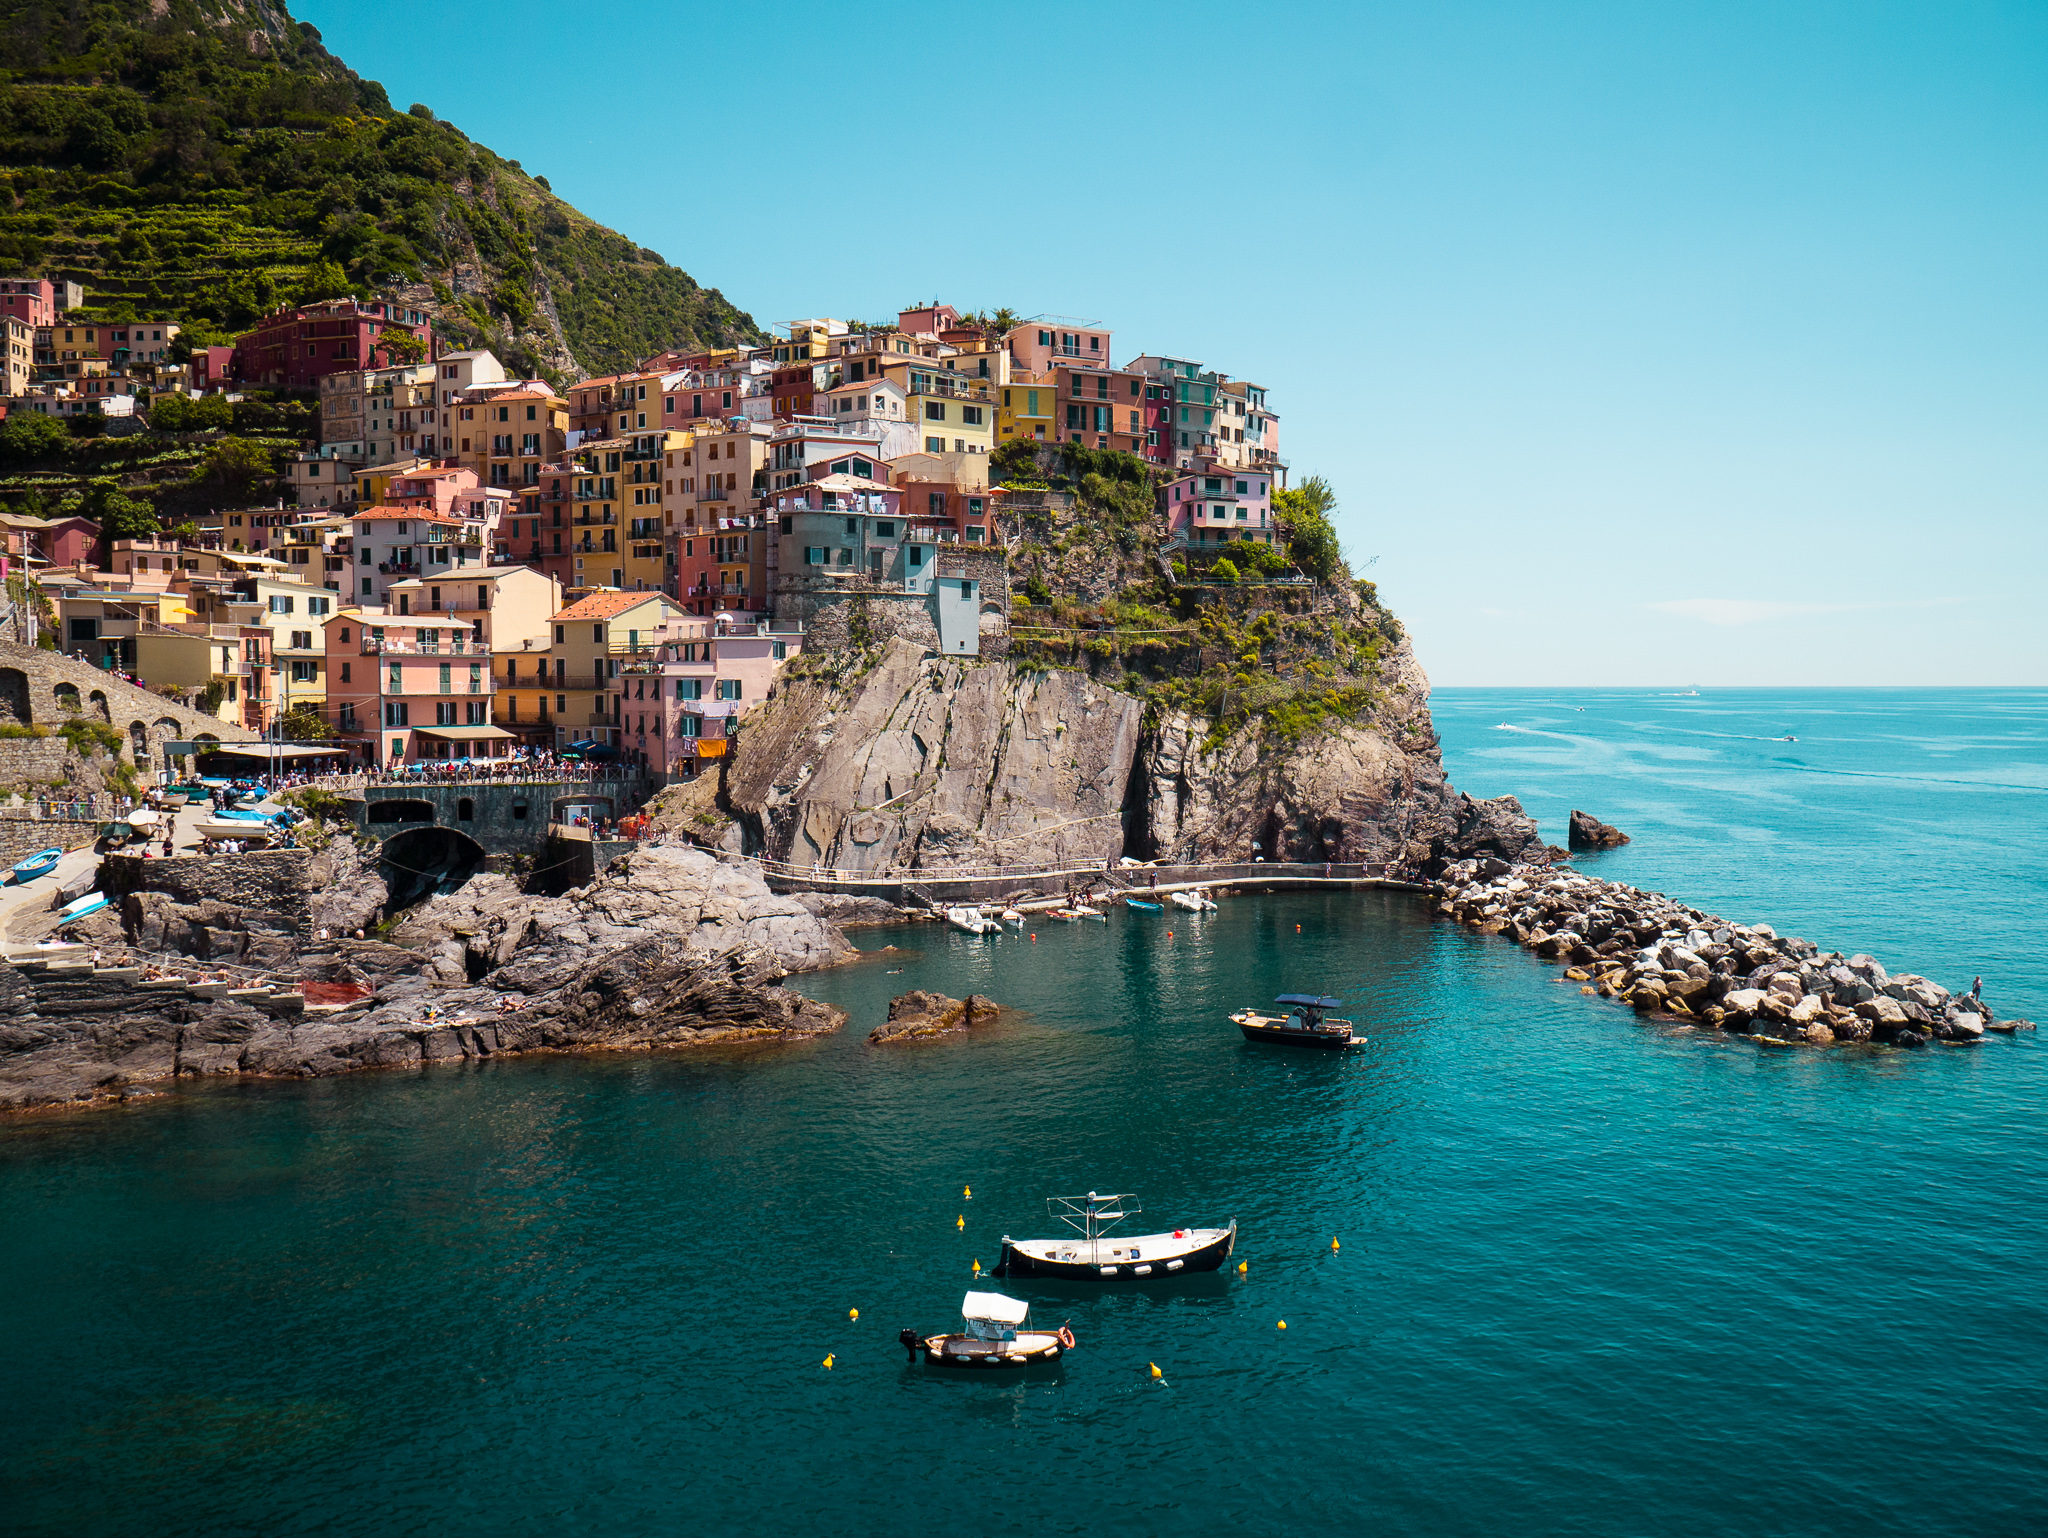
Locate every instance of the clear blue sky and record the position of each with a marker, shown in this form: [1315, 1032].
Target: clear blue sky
[1645, 344]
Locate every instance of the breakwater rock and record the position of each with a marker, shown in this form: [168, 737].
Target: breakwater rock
[919, 1014]
[669, 949]
[1677, 963]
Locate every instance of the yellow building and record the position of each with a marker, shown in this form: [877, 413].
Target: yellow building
[1025, 409]
[650, 505]
[953, 412]
[575, 685]
[505, 436]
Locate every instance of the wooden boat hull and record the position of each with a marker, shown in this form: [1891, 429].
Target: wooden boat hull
[1277, 1035]
[964, 1353]
[1208, 1257]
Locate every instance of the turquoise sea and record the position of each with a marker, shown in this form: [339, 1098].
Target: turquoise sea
[1593, 1277]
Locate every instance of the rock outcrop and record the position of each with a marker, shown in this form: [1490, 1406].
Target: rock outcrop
[929, 763]
[1589, 832]
[916, 1015]
[935, 762]
[1371, 791]
[1673, 962]
[669, 948]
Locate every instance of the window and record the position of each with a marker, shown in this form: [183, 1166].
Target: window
[781, 651]
[935, 445]
[321, 606]
[884, 529]
[344, 673]
[692, 688]
[395, 686]
[444, 715]
[396, 714]
[447, 680]
[814, 555]
[1243, 488]
[728, 688]
[280, 604]
[689, 726]
[971, 415]
[935, 411]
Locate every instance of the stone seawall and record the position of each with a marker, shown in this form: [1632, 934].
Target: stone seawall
[272, 880]
[1678, 964]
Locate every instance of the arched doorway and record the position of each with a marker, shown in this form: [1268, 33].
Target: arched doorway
[14, 704]
[67, 698]
[98, 701]
[138, 740]
[421, 861]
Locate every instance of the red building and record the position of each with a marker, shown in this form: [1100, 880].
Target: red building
[293, 349]
[35, 301]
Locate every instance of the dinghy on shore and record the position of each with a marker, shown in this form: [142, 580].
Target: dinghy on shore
[37, 864]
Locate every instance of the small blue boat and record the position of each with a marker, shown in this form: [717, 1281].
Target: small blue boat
[1133, 902]
[92, 902]
[35, 865]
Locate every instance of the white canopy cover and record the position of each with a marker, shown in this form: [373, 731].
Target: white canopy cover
[993, 1305]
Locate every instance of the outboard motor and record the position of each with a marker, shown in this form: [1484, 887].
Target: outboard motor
[912, 1342]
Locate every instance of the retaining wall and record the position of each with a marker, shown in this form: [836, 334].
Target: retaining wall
[271, 880]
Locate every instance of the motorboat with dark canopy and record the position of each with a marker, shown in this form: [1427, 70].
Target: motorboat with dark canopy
[1098, 1253]
[1306, 1023]
[996, 1333]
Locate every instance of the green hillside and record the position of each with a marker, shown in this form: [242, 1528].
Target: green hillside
[206, 160]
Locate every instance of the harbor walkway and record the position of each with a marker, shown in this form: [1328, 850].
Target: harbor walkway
[1049, 885]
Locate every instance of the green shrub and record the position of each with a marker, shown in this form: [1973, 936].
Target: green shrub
[1224, 570]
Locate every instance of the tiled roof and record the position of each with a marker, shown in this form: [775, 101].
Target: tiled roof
[606, 605]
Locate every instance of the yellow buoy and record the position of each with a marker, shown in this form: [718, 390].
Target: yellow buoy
[853, 1313]
[1283, 1324]
[1243, 1266]
[977, 1268]
[1335, 1245]
[963, 1221]
[1155, 1369]
[828, 1363]
[968, 1193]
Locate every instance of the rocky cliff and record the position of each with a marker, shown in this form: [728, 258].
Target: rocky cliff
[669, 948]
[930, 763]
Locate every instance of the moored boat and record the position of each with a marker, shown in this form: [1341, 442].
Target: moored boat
[1194, 902]
[1307, 1023]
[970, 921]
[1012, 916]
[1139, 902]
[35, 865]
[997, 1333]
[1064, 915]
[1083, 911]
[1098, 1253]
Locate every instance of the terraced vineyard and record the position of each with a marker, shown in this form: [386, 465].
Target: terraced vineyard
[213, 161]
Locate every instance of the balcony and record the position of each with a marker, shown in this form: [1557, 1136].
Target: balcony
[376, 648]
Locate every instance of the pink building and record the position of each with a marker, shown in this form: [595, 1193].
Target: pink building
[1214, 505]
[704, 675]
[32, 301]
[402, 687]
[1040, 346]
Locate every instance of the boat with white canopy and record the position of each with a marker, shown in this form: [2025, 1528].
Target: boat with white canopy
[996, 1332]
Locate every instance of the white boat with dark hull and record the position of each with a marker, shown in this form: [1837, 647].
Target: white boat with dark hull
[1097, 1253]
[997, 1333]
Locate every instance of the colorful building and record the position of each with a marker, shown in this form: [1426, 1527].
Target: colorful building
[294, 348]
[406, 687]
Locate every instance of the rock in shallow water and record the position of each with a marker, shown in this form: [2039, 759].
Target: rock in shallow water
[918, 1014]
[1589, 832]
